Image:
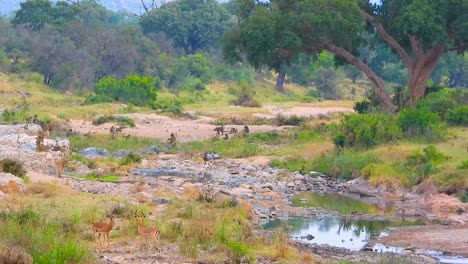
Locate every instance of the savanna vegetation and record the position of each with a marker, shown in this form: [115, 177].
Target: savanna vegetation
[402, 65]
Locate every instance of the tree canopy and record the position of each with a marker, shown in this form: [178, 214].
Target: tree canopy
[192, 24]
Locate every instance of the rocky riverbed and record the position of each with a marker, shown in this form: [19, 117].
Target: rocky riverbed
[268, 189]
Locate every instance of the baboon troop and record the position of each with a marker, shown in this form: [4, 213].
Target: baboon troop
[221, 131]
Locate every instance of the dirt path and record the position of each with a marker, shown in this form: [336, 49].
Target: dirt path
[161, 127]
[448, 239]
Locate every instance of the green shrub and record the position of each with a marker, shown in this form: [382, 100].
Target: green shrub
[130, 158]
[245, 97]
[120, 120]
[14, 167]
[424, 163]
[458, 116]
[367, 130]
[440, 102]
[134, 89]
[362, 107]
[293, 120]
[345, 164]
[420, 122]
[293, 164]
[463, 165]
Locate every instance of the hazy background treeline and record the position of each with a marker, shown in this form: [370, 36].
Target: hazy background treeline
[74, 44]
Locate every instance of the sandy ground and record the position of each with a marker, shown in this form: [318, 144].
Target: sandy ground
[448, 239]
[158, 126]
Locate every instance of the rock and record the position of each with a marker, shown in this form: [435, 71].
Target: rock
[161, 201]
[121, 153]
[233, 171]
[290, 185]
[162, 171]
[11, 184]
[309, 237]
[267, 186]
[304, 200]
[94, 152]
[314, 173]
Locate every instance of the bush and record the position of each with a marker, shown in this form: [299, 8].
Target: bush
[458, 116]
[13, 166]
[362, 107]
[120, 120]
[134, 89]
[245, 97]
[293, 120]
[420, 122]
[423, 163]
[345, 164]
[366, 130]
[440, 102]
[130, 158]
[463, 165]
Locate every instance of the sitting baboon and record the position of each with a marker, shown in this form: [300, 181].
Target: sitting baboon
[35, 120]
[219, 130]
[246, 129]
[233, 130]
[226, 136]
[172, 139]
[69, 133]
[112, 129]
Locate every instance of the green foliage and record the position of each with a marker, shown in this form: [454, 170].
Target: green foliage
[112, 144]
[292, 120]
[104, 177]
[326, 76]
[173, 107]
[120, 120]
[130, 159]
[420, 122]
[440, 102]
[192, 25]
[463, 165]
[14, 167]
[44, 239]
[425, 163]
[245, 96]
[137, 90]
[334, 202]
[458, 116]
[367, 130]
[234, 147]
[363, 106]
[293, 164]
[191, 72]
[345, 164]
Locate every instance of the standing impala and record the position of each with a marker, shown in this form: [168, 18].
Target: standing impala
[145, 231]
[103, 228]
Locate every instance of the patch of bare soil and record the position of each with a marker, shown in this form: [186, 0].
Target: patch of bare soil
[161, 127]
[452, 240]
[303, 111]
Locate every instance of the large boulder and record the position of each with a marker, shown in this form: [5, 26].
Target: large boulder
[10, 184]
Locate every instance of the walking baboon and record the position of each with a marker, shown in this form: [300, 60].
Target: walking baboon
[219, 130]
[28, 119]
[233, 130]
[112, 129]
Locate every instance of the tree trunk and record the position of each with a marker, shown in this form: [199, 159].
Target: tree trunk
[379, 86]
[280, 81]
[420, 72]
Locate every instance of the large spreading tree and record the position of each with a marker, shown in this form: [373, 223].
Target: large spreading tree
[418, 31]
[193, 25]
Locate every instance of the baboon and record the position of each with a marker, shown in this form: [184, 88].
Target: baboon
[219, 130]
[69, 133]
[233, 130]
[246, 129]
[119, 129]
[172, 139]
[28, 119]
[226, 136]
[35, 120]
[127, 136]
[112, 129]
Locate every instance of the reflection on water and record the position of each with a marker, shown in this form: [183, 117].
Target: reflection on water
[333, 231]
[342, 203]
[435, 254]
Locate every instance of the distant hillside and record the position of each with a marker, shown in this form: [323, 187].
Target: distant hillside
[7, 7]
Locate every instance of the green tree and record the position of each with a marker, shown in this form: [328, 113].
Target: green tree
[192, 24]
[34, 14]
[419, 31]
[265, 36]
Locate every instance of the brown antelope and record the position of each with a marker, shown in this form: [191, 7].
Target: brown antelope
[102, 227]
[146, 232]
